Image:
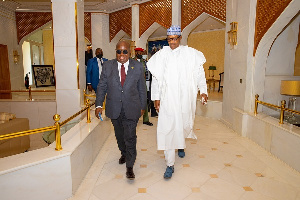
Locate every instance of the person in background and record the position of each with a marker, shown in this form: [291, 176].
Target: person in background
[139, 57]
[88, 53]
[93, 71]
[178, 74]
[122, 81]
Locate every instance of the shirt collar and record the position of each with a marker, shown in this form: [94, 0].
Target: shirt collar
[125, 65]
[177, 49]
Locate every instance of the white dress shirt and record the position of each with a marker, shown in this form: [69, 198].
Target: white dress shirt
[126, 68]
[100, 66]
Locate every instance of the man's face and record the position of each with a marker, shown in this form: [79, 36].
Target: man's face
[122, 52]
[174, 41]
[98, 52]
[138, 53]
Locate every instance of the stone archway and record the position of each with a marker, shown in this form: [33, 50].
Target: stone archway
[144, 38]
[264, 46]
[189, 28]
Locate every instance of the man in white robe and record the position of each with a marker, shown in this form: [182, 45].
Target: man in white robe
[178, 74]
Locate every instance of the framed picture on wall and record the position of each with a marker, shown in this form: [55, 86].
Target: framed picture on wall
[154, 46]
[43, 75]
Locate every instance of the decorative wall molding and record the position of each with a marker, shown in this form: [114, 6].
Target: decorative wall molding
[191, 9]
[267, 11]
[27, 22]
[159, 11]
[88, 26]
[120, 20]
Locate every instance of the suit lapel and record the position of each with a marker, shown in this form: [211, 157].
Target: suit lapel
[116, 73]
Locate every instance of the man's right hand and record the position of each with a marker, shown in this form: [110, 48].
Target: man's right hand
[90, 88]
[97, 111]
[157, 105]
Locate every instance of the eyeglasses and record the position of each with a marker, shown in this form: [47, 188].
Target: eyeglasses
[173, 39]
[120, 51]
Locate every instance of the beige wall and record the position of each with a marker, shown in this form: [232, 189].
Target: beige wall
[212, 45]
[48, 47]
[297, 58]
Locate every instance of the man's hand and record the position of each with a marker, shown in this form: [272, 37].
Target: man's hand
[157, 105]
[90, 88]
[142, 112]
[97, 111]
[203, 98]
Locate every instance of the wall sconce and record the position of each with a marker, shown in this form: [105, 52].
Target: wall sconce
[232, 34]
[16, 56]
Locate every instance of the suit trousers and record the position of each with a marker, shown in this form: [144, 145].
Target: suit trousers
[125, 132]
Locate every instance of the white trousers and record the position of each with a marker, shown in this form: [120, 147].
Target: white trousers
[170, 157]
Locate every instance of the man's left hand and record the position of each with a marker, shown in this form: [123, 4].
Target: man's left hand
[90, 88]
[204, 97]
[142, 112]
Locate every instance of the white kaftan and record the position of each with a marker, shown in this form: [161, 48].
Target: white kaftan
[177, 76]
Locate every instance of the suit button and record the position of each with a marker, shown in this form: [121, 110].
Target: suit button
[122, 91]
[120, 100]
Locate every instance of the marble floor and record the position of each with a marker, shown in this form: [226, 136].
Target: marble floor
[220, 165]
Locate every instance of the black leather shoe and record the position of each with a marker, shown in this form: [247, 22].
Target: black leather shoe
[129, 174]
[148, 123]
[154, 115]
[122, 160]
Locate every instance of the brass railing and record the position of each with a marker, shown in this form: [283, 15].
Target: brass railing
[87, 95]
[30, 91]
[56, 126]
[282, 108]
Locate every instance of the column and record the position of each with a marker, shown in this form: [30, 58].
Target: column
[135, 24]
[68, 55]
[100, 35]
[176, 12]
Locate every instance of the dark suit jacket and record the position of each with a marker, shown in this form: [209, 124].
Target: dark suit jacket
[132, 96]
[92, 72]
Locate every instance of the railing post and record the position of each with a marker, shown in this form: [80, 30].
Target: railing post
[30, 95]
[56, 118]
[282, 111]
[256, 104]
[88, 111]
[84, 95]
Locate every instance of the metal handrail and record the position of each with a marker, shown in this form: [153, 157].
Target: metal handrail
[87, 95]
[88, 105]
[282, 108]
[29, 91]
[28, 132]
[56, 127]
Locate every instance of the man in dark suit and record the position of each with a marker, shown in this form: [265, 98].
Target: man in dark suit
[123, 81]
[93, 70]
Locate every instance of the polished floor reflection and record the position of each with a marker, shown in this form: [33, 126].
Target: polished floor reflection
[220, 165]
